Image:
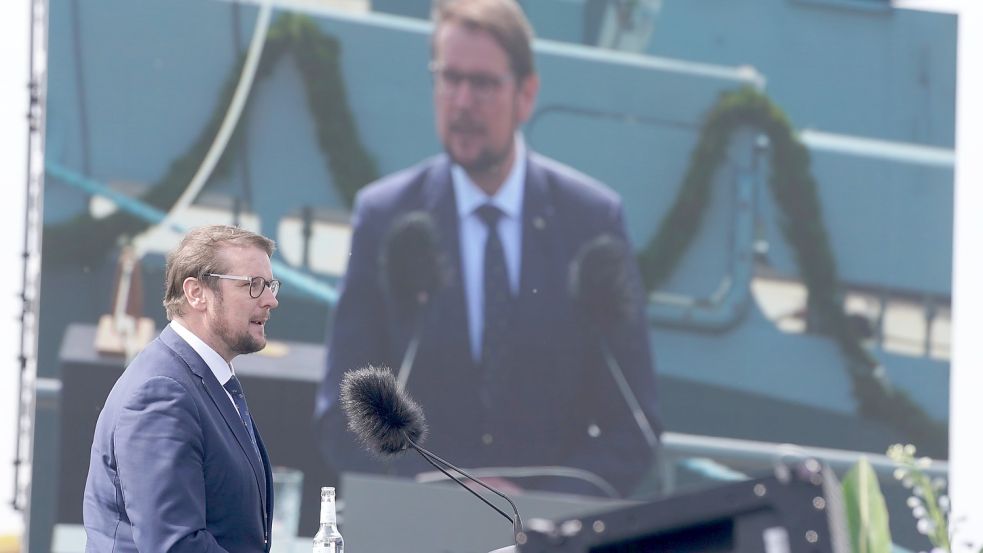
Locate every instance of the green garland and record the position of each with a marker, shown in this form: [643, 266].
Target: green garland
[794, 190]
[84, 239]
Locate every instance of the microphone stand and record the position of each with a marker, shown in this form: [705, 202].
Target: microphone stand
[636, 409]
[408, 357]
[608, 249]
[440, 465]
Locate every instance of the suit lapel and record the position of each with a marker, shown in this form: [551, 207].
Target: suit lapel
[538, 230]
[268, 489]
[221, 400]
[450, 306]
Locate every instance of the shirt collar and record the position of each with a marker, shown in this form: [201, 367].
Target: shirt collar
[223, 371]
[508, 198]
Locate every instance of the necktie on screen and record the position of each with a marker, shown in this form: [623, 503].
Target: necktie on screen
[497, 293]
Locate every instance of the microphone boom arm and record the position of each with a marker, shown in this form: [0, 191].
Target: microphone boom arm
[437, 461]
[408, 357]
[636, 409]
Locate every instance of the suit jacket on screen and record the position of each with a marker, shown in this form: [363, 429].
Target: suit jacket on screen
[554, 402]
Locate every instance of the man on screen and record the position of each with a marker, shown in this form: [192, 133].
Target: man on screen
[508, 369]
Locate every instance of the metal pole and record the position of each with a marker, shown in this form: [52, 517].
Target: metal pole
[30, 256]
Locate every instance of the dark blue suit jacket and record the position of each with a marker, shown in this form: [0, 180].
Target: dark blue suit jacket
[172, 468]
[556, 403]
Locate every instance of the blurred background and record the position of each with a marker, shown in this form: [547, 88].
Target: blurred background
[134, 96]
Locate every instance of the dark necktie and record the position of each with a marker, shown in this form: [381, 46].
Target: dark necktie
[234, 388]
[497, 293]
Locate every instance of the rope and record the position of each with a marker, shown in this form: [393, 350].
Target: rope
[231, 116]
[296, 279]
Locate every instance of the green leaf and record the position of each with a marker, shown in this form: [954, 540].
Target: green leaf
[865, 510]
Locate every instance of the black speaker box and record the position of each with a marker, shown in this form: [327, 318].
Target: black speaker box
[799, 509]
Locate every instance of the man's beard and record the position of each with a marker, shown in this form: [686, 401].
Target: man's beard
[489, 160]
[245, 343]
[241, 343]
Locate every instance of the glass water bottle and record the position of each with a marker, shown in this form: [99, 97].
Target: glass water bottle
[328, 539]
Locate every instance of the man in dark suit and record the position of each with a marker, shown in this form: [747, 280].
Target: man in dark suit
[177, 463]
[508, 369]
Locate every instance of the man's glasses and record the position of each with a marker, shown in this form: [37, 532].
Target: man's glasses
[484, 86]
[256, 284]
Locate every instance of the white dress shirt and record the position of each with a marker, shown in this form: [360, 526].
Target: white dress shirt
[474, 233]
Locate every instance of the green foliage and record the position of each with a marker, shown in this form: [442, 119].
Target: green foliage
[84, 239]
[318, 57]
[794, 190]
[866, 511]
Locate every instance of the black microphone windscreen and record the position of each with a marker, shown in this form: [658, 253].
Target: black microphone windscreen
[600, 283]
[380, 414]
[410, 260]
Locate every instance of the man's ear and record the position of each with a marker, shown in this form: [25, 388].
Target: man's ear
[194, 294]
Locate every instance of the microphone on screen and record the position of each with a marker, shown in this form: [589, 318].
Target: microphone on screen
[412, 271]
[388, 422]
[601, 284]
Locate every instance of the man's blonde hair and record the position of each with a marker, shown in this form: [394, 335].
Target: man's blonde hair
[503, 19]
[198, 254]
